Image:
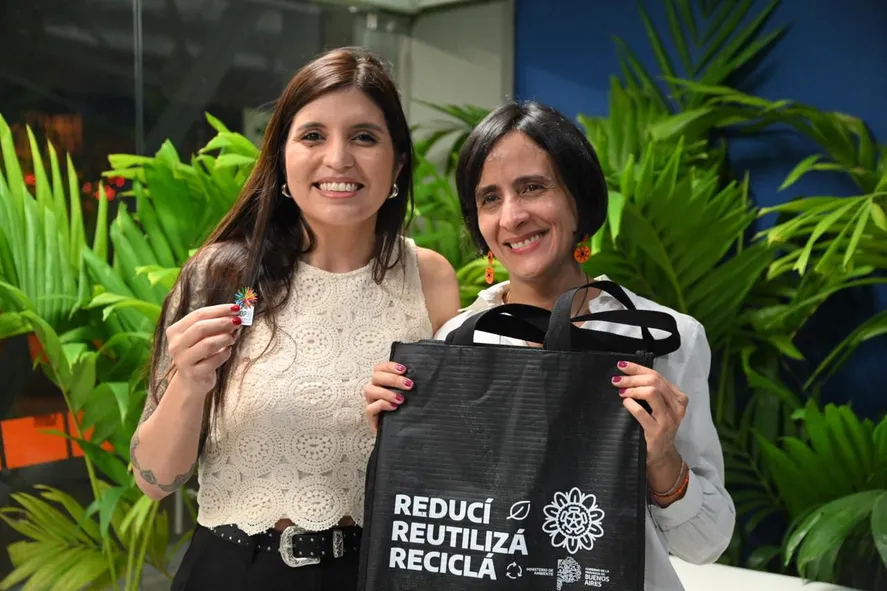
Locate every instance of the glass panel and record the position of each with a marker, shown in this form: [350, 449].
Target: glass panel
[224, 57]
[66, 70]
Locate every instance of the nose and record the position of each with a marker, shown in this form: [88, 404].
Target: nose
[338, 154]
[513, 213]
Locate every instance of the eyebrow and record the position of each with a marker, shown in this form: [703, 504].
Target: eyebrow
[521, 180]
[364, 125]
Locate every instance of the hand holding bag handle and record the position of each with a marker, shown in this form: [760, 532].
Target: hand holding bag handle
[562, 335]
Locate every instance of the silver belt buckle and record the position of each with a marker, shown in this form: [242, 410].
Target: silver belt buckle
[338, 543]
[286, 548]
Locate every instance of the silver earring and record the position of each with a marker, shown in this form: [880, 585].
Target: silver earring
[393, 192]
[285, 194]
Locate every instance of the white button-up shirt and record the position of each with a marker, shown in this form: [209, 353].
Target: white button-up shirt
[698, 527]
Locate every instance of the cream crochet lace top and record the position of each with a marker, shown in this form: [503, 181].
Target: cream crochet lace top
[292, 440]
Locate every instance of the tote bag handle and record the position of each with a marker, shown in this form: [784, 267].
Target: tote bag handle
[563, 335]
[556, 331]
[573, 338]
[517, 321]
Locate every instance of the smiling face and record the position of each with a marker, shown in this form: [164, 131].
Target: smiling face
[340, 160]
[524, 213]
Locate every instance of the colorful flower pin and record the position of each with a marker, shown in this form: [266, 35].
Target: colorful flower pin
[246, 298]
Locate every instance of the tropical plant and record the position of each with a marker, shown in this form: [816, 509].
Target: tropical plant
[98, 362]
[833, 242]
[711, 45]
[65, 549]
[833, 486]
[109, 410]
[680, 230]
[757, 383]
[41, 237]
[460, 120]
[644, 246]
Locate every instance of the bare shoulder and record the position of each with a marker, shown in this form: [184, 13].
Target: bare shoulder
[433, 266]
[439, 286]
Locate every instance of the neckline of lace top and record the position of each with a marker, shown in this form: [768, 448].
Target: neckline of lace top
[332, 274]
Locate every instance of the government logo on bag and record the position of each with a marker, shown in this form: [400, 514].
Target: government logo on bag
[573, 520]
[568, 571]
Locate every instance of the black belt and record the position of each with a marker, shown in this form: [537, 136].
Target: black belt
[296, 546]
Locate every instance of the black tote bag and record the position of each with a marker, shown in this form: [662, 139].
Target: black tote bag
[513, 467]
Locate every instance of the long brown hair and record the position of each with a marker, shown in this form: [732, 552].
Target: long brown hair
[259, 242]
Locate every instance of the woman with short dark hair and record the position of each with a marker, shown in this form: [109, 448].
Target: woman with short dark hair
[532, 192]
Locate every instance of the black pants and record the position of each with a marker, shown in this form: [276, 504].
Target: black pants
[212, 563]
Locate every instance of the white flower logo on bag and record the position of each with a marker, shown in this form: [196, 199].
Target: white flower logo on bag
[573, 520]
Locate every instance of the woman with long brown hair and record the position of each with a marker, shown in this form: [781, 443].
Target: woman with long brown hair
[272, 412]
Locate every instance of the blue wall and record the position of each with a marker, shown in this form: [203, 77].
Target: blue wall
[834, 57]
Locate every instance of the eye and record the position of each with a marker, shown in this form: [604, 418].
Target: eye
[311, 136]
[366, 138]
[488, 199]
[533, 188]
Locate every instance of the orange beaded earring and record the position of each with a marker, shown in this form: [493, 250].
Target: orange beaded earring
[582, 252]
[490, 274]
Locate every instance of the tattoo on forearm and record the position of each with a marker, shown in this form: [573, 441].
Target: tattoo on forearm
[153, 400]
[149, 476]
[178, 481]
[151, 405]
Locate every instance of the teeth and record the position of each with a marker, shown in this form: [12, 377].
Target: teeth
[339, 187]
[526, 242]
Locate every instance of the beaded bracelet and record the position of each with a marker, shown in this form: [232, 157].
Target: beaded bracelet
[676, 484]
[677, 491]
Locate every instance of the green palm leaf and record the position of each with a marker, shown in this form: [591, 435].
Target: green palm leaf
[665, 202]
[726, 49]
[39, 238]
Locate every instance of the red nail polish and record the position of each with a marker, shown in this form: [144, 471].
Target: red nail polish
[399, 397]
[622, 364]
[622, 391]
[400, 368]
[408, 383]
[235, 308]
[616, 379]
[236, 320]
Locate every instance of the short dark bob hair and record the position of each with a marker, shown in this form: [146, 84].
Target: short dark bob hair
[574, 160]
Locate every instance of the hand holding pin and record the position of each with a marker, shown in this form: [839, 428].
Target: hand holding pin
[246, 298]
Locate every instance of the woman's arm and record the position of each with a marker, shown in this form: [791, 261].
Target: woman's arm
[439, 286]
[164, 447]
[698, 527]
